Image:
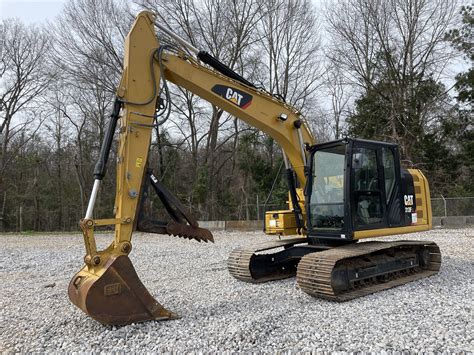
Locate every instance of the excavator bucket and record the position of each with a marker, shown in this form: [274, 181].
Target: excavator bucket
[114, 295]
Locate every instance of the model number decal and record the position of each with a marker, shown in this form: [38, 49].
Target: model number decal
[236, 96]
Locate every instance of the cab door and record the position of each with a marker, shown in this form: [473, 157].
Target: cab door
[367, 190]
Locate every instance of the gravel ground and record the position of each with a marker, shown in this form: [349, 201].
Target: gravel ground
[220, 313]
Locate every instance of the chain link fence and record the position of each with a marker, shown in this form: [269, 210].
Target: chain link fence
[452, 206]
[441, 207]
[27, 218]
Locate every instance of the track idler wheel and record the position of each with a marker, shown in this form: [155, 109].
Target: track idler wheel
[114, 295]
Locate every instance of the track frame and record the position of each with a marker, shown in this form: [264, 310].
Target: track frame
[337, 273]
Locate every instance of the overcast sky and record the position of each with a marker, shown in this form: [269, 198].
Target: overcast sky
[31, 11]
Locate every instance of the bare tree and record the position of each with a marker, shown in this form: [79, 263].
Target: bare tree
[24, 76]
[290, 57]
[352, 44]
[290, 40]
[339, 93]
[397, 42]
[89, 41]
[89, 51]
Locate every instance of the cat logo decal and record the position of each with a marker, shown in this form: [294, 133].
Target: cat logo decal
[237, 97]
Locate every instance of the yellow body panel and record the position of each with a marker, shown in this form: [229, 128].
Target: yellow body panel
[280, 223]
[372, 233]
[283, 222]
[423, 198]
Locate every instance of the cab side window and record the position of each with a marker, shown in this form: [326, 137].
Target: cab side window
[389, 172]
[366, 187]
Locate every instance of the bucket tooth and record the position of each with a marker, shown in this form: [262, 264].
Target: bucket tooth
[114, 294]
[189, 232]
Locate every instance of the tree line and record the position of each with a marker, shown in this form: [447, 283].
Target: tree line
[374, 69]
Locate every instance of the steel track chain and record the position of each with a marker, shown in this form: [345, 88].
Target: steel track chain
[240, 259]
[315, 270]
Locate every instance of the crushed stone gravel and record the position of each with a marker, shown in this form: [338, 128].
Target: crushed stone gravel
[220, 313]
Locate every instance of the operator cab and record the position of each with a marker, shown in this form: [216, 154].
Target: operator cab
[357, 185]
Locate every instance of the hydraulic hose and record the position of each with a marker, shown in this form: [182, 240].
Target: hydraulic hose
[101, 165]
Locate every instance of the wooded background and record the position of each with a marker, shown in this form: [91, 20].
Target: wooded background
[389, 70]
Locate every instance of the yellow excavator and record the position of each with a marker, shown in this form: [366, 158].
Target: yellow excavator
[339, 193]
